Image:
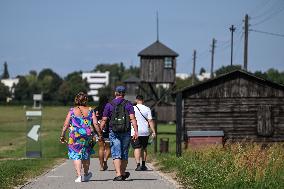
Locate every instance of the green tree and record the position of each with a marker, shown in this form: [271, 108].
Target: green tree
[118, 73]
[182, 83]
[202, 70]
[5, 74]
[72, 85]
[227, 69]
[260, 74]
[4, 92]
[131, 71]
[22, 89]
[106, 91]
[275, 75]
[49, 83]
[34, 87]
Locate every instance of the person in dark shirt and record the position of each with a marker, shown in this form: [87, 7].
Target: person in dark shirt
[119, 141]
[104, 144]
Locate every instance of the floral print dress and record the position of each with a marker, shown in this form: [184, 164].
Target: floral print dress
[80, 137]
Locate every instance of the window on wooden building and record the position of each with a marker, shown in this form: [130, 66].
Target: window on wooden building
[168, 62]
[264, 121]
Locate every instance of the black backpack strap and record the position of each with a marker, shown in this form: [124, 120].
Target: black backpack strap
[124, 102]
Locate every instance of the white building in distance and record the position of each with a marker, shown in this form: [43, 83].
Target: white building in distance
[203, 76]
[96, 80]
[11, 83]
[182, 75]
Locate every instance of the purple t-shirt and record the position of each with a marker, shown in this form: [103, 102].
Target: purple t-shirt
[109, 108]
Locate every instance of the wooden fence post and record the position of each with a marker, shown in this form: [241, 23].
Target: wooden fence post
[178, 123]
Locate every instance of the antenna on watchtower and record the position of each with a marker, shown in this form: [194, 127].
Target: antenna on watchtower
[157, 17]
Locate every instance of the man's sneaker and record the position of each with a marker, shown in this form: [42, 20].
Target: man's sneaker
[78, 179]
[119, 178]
[138, 168]
[127, 174]
[144, 168]
[88, 176]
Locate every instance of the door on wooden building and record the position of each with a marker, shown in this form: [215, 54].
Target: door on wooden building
[264, 121]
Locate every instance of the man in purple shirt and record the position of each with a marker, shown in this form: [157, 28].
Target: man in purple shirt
[119, 141]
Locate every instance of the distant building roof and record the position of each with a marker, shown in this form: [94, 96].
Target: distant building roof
[157, 49]
[132, 79]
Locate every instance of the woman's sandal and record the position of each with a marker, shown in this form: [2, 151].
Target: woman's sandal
[105, 166]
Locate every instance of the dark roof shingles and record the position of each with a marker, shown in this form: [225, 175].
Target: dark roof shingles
[157, 49]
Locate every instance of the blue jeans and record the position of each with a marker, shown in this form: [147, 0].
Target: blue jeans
[119, 145]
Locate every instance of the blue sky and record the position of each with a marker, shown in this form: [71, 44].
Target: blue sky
[72, 35]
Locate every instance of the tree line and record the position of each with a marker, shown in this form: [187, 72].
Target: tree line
[58, 90]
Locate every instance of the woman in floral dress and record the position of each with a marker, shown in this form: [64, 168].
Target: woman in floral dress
[80, 121]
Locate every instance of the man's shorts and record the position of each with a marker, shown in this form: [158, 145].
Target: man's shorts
[119, 145]
[141, 142]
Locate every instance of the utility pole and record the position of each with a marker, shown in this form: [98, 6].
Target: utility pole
[232, 29]
[212, 57]
[246, 43]
[193, 68]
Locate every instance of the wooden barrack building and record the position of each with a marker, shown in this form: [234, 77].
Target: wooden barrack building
[239, 104]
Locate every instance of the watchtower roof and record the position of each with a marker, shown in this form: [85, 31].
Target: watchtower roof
[157, 49]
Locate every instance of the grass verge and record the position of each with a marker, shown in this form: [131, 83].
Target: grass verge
[235, 166]
[14, 172]
[15, 168]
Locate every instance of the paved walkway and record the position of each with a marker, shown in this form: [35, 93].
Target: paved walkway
[63, 176]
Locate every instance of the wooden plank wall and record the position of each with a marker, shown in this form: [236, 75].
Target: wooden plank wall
[166, 113]
[152, 70]
[237, 117]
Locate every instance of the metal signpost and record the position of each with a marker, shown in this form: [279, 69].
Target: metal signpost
[33, 140]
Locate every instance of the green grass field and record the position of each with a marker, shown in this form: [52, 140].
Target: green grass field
[15, 169]
[172, 138]
[13, 127]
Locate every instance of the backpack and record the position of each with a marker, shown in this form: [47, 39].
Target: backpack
[119, 120]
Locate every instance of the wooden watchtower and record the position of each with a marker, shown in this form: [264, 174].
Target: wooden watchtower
[157, 66]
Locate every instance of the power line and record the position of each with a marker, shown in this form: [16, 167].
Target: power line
[223, 48]
[259, 7]
[238, 47]
[204, 54]
[269, 17]
[268, 33]
[224, 42]
[270, 10]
